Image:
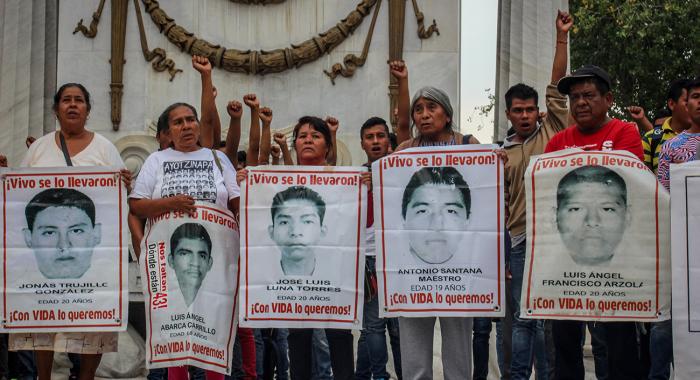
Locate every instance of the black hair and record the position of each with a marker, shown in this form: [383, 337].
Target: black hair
[371, 122]
[662, 113]
[521, 91]
[194, 231]
[164, 118]
[298, 192]
[318, 125]
[241, 155]
[590, 174]
[600, 85]
[59, 93]
[58, 198]
[675, 89]
[444, 175]
[392, 140]
[693, 84]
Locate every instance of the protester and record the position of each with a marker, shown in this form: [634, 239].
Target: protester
[432, 115]
[590, 97]
[147, 200]
[313, 143]
[372, 354]
[73, 145]
[528, 139]
[678, 122]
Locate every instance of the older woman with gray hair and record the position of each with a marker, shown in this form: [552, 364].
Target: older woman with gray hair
[431, 114]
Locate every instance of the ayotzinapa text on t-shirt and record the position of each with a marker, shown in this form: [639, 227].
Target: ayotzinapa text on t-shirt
[169, 172]
[190, 177]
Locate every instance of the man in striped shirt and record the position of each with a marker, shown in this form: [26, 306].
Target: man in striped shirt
[677, 123]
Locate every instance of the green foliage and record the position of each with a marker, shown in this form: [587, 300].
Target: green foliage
[643, 44]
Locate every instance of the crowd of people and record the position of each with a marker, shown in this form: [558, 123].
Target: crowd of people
[576, 115]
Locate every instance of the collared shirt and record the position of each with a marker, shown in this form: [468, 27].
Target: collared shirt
[652, 142]
[680, 149]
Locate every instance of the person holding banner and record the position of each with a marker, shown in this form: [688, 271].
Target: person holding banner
[313, 142]
[171, 168]
[431, 114]
[590, 97]
[72, 145]
[528, 139]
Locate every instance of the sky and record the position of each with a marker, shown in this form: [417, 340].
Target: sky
[479, 32]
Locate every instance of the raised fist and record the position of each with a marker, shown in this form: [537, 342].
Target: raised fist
[234, 109]
[280, 139]
[564, 21]
[251, 101]
[333, 124]
[636, 112]
[398, 69]
[266, 115]
[201, 64]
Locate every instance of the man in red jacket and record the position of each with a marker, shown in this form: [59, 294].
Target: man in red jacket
[590, 98]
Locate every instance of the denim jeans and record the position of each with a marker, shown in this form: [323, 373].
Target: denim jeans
[321, 356]
[660, 350]
[157, 374]
[272, 342]
[372, 354]
[392, 326]
[525, 331]
[600, 349]
[480, 347]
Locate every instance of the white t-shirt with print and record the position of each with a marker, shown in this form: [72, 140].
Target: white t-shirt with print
[169, 172]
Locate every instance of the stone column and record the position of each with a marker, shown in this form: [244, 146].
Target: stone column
[27, 72]
[526, 41]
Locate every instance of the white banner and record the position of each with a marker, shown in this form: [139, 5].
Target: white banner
[598, 245]
[190, 267]
[438, 213]
[685, 246]
[65, 250]
[302, 252]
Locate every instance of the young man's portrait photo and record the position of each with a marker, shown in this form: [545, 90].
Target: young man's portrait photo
[62, 232]
[190, 258]
[435, 207]
[592, 214]
[297, 228]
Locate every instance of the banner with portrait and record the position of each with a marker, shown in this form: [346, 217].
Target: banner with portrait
[598, 244]
[302, 251]
[685, 251]
[65, 250]
[438, 214]
[189, 265]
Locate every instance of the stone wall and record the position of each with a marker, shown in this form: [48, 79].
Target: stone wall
[291, 94]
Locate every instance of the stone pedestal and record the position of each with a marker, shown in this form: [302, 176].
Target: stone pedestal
[28, 32]
[526, 41]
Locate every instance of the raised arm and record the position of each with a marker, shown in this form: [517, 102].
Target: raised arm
[281, 140]
[233, 135]
[399, 71]
[333, 125]
[210, 122]
[637, 114]
[254, 136]
[561, 52]
[265, 137]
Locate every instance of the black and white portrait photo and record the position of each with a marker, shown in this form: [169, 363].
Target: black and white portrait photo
[592, 213]
[190, 257]
[435, 208]
[62, 232]
[297, 228]
[438, 218]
